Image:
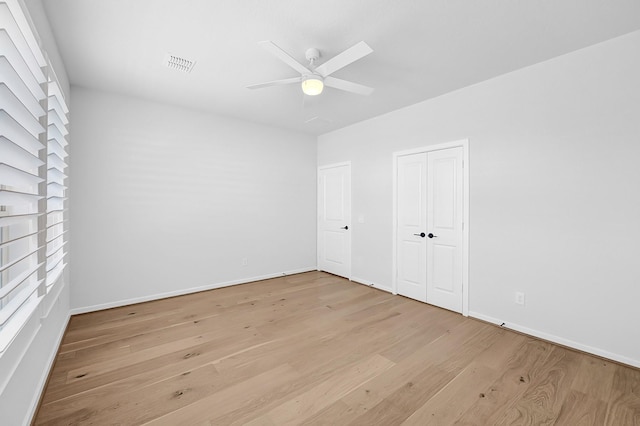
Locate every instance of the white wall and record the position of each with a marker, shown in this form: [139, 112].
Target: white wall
[555, 210]
[168, 200]
[24, 366]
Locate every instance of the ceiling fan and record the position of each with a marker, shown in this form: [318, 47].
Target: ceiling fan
[313, 78]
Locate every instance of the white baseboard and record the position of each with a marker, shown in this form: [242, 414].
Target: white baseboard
[370, 283]
[182, 292]
[559, 340]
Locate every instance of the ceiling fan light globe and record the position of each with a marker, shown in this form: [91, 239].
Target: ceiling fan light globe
[312, 85]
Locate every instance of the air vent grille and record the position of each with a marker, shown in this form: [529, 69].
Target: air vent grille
[178, 63]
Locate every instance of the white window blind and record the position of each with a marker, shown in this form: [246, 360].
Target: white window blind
[56, 189]
[33, 131]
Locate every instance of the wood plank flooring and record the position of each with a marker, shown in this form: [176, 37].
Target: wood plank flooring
[315, 349]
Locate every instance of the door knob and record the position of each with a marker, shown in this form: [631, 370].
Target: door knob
[422, 234]
[345, 227]
[432, 236]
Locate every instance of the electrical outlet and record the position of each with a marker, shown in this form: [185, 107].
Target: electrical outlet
[245, 261]
[519, 298]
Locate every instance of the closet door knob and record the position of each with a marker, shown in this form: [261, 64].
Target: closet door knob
[422, 234]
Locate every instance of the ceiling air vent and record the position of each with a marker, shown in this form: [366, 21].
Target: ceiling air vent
[178, 63]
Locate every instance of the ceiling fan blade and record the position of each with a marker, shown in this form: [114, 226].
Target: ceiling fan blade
[282, 82]
[348, 86]
[284, 57]
[345, 58]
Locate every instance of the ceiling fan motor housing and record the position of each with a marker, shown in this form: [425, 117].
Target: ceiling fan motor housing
[312, 84]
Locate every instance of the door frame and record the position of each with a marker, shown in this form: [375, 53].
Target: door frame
[318, 195]
[464, 143]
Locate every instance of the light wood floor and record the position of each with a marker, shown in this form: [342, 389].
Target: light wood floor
[315, 349]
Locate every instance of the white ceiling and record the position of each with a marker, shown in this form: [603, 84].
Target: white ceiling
[422, 49]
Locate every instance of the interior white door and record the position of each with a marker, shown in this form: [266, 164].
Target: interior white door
[429, 227]
[412, 224]
[334, 219]
[444, 228]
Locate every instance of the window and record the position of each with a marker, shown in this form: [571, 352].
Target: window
[33, 132]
